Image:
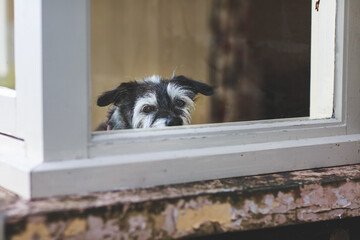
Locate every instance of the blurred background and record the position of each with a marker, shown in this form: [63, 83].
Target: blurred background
[256, 53]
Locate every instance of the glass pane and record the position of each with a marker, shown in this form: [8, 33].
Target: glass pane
[7, 71]
[255, 53]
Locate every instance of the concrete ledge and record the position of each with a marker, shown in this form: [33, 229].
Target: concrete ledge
[194, 209]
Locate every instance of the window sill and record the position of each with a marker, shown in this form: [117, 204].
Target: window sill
[192, 209]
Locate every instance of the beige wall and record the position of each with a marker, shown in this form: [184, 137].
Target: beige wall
[131, 39]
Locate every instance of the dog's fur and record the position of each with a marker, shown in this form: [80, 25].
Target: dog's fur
[155, 102]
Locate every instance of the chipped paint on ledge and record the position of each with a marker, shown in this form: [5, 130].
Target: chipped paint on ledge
[36, 227]
[192, 209]
[75, 227]
[193, 218]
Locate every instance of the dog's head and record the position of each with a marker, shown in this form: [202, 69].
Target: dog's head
[152, 103]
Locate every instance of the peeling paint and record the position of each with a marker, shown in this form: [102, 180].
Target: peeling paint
[34, 230]
[192, 209]
[75, 227]
[193, 218]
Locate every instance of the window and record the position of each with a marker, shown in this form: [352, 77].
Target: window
[59, 155]
[256, 53]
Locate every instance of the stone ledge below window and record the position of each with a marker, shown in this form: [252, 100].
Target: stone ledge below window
[189, 210]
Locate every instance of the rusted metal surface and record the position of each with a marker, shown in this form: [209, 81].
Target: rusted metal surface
[192, 209]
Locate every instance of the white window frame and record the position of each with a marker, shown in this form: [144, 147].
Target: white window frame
[59, 154]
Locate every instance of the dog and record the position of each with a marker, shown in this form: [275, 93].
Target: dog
[152, 103]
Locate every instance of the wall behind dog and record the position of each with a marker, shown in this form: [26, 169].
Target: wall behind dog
[134, 39]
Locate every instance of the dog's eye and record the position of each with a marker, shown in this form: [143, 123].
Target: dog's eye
[179, 103]
[148, 109]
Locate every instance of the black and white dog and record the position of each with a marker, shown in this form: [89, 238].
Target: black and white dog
[152, 103]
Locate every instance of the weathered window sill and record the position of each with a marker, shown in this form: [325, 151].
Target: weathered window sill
[193, 209]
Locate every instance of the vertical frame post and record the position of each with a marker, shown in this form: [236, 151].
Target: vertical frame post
[52, 69]
[322, 58]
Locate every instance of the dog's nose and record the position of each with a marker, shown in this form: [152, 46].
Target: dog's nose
[174, 122]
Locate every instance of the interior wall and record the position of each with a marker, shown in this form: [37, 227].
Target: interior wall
[138, 38]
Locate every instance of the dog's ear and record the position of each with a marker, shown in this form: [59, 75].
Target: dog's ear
[116, 95]
[193, 85]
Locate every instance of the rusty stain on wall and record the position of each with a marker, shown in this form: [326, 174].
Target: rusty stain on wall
[191, 209]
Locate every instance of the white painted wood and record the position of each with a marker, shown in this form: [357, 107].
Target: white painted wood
[169, 167]
[322, 59]
[15, 168]
[147, 158]
[9, 143]
[195, 137]
[15, 173]
[65, 78]
[3, 39]
[52, 66]
[28, 72]
[339, 86]
[233, 127]
[7, 111]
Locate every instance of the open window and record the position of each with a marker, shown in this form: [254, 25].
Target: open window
[255, 53]
[60, 155]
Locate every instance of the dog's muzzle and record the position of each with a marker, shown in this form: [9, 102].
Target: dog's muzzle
[174, 121]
